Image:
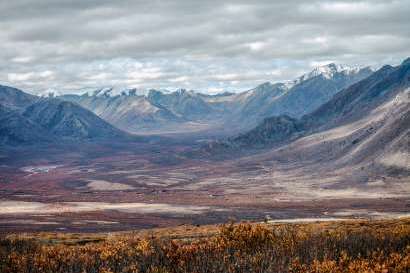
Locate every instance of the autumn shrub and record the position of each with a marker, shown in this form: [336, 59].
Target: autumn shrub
[374, 247]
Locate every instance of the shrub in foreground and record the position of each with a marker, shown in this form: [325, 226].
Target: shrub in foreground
[307, 248]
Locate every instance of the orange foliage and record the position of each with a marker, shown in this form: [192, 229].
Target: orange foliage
[372, 248]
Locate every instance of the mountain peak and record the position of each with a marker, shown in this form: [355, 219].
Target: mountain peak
[329, 70]
[68, 119]
[332, 68]
[50, 92]
[112, 92]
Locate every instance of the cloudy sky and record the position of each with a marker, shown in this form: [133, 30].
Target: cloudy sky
[203, 45]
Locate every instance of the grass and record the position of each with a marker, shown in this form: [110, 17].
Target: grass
[351, 246]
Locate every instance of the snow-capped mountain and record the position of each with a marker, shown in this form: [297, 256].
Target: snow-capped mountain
[329, 71]
[128, 111]
[153, 110]
[367, 120]
[49, 93]
[105, 91]
[85, 114]
[302, 96]
[111, 92]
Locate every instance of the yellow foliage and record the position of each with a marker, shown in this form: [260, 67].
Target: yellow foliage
[348, 248]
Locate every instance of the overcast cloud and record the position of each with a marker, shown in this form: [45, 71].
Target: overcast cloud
[209, 46]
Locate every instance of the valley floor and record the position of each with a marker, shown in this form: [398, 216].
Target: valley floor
[114, 187]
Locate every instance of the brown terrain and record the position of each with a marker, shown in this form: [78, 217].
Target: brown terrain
[130, 186]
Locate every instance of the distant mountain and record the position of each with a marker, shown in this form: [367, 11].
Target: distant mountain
[129, 112]
[331, 71]
[317, 88]
[361, 113]
[185, 104]
[295, 98]
[160, 111]
[249, 107]
[92, 91]
[155, 112]
[69, 120]
[27, 119]
[358, 99]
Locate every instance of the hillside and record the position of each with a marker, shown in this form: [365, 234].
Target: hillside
[27, 119]
[360, 101]
[16, 129]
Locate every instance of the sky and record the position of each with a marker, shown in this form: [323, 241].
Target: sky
[209, 46]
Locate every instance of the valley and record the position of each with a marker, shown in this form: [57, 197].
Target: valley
[73, 164]
[135, 185]
[205, 136]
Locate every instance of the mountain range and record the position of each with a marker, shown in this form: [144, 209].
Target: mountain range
[365, 126]
[181, 110]
[336, 111]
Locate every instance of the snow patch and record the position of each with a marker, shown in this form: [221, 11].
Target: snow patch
[399, 159]
[102, 185]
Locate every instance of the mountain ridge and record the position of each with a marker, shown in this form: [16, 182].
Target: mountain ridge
[232, 112]
[347, 106]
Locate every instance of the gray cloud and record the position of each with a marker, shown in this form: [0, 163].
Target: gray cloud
[203, 45]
